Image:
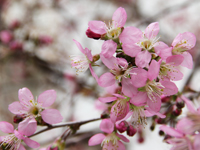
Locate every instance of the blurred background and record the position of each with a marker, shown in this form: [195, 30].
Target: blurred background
[36, 41]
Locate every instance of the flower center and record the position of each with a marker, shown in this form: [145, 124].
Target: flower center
[154, 90]
[10, 142]
[34, 110]
[138, 117]
[113, 31]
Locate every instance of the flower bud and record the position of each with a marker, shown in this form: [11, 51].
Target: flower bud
[18, 118]
[93, 35]
[58, 145]
[131, 131]
[45, 40]
[177, 112]
[122, 126]
[96, 57]
[180, 104]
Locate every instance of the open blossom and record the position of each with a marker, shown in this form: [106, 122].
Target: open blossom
[15, 137]
[36, 108]
[141, 46]
[168, 68]
[110, 140]
[182, 139]
[118, 71]
[193, 117]
[83, 62]
[183, 42]
[114, 29]
[150, 91]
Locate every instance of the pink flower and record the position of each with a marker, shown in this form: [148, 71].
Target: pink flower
[36, 108]
[141, 46]
[118, 71]
[181, 137]
[109, 141]
[168, 68]
[183, 42]
[113, 30]
[83, 62]
[120, 108]
[6, 36]
[193, 117]
[150, 91]
[15, 137]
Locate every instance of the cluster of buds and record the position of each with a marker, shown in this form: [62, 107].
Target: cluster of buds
[142, 66]
[29, 113]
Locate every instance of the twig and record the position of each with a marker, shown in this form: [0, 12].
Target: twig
[70, 124]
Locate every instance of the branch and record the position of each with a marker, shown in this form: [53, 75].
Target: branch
[70, 124]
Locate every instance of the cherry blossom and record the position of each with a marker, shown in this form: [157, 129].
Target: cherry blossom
[15, 137]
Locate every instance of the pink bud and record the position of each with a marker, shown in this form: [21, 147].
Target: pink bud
[6, 36]
[93, 35]
[131, 131]
[122, 126]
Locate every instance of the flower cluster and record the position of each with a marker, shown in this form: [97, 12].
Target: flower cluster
[142, 66]
[29, 113]
[186, 134]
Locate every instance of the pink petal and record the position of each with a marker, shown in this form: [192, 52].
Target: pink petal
[93, 73]
[175, 60]
[185, 126]
[142, 59]
[171, 131]
[118, 95]
[97, 27]
[110, 63]
[125, 118]
[196, 142]
[154, 69]
[119, 17]
[122, 62]
[188, 61]
[189, 104]
[47, 98]
[96, 139]
[121, 146]
[51, 116]
[108, 48]
[18, 135]
[107, 99]
[107, 126]
[175, 75]
[150, 113]
[25, 96]
[17, 108]
[88, 53]
[79, 46]
[31, 143]
[155, 106]
[107, 79]
[123, 138]
[138, 77]
[131, 49]
[127, 87]
[163, 50]
[6, 127]
[28, 126]
[119, 110]
[186, 36]
[152, 30]
[170, 88]
[131, 35]
[139, 99]
[21, 147]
